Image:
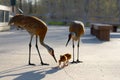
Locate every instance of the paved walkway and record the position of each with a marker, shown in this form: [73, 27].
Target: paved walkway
[101, 60]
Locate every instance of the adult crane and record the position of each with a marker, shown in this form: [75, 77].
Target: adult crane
[76, 30]
[33, 26]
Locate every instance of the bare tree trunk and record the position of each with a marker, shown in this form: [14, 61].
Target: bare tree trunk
[118, 4]
[86, 10]
[20, 5]
[30, 6]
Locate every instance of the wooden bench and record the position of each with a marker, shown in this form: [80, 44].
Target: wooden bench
[101, 31]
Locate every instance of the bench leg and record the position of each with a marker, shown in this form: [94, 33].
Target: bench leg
[115, 28]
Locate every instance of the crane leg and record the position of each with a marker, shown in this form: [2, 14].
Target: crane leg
[30, 51]
[73, 52]
[78, 61]
[39, 52]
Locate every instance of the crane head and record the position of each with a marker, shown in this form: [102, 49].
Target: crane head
[51, 51]
[69, 37]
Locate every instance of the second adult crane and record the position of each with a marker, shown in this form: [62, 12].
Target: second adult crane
[76, 30]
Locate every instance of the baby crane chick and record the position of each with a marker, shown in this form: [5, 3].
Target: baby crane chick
[64, 59]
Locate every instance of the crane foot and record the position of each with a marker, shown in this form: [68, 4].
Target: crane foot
[79, 61]
[31, 64]
[72, 62]
[44, 63]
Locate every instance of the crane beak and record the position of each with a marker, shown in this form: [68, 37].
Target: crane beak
[52, 53]
[69, 37]
[55, 59]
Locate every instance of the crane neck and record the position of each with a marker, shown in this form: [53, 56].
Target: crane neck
[46, 46]
[50, 50]
[73, 34]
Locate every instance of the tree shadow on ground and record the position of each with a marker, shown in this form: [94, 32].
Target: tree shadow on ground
[90, 39]
[32, 74]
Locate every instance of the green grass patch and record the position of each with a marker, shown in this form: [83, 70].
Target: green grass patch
[87, 24]
[56, 23]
